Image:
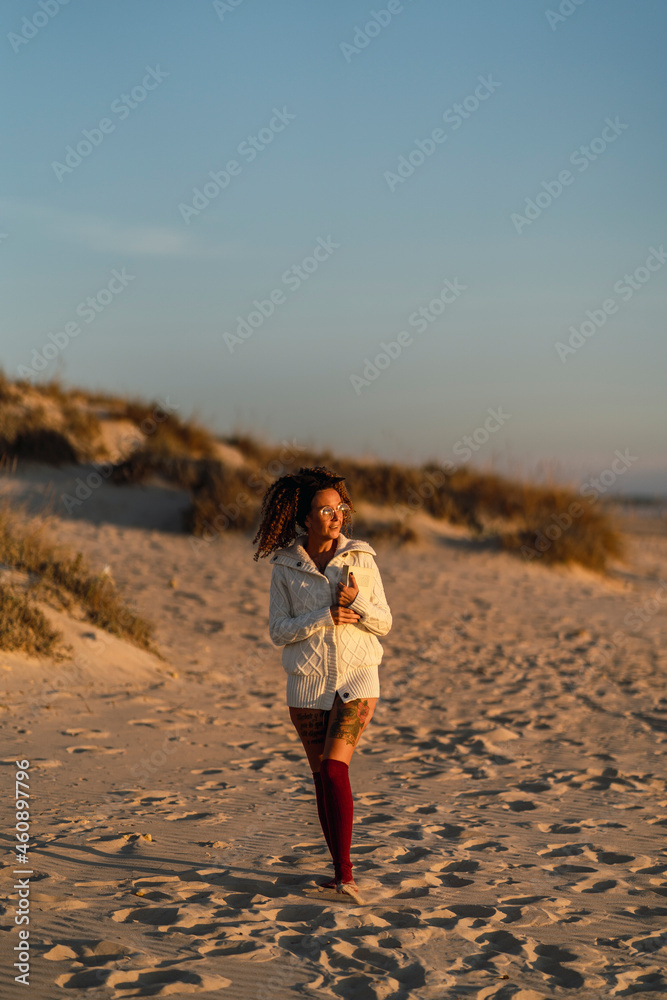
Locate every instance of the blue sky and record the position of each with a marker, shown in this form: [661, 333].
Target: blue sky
[316, 106]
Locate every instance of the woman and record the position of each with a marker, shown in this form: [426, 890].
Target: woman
[328, 630]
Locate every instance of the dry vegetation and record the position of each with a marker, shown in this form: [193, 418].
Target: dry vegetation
[53, 424]
[39, 570]
[24, 627]
[396, 532]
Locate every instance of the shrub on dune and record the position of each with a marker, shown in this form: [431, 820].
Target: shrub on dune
[166, 433]
[548, 532]
[65, 580]
[145, 463]
[23, 627]
[222, 500]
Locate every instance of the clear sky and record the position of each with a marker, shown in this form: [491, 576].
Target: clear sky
[366, 155]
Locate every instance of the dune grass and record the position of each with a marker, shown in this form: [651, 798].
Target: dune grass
[549, 532]
[522, 517]
[62, 579]
[167, 434]
[48, 422]
[393, 532]
[464, 496]
[24, 628]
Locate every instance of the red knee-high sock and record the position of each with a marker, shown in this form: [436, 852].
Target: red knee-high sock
[339, 807]
[322, 809]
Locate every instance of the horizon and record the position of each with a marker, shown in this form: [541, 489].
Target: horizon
[259, 213]
[609, 485]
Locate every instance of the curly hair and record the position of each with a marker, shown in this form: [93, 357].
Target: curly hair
[287, 502]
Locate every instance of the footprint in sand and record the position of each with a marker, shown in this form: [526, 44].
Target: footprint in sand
[121, 843]
[501, 941]
[378, 818]
[534, 786]
[447, 831]
[159, 916]
[413, 832]
[146, 982]
[613, 857]
[452, 881]
[86, 733]
[517, 804]
[595, 884]
[549, 959]
[637, 981]
[476, 911]
[483, 845]
[649, 943]
[411, 856]
[57, 902]
[564, 850]
[188, 815]
[88, 952]
[410, 886]
[252, 763]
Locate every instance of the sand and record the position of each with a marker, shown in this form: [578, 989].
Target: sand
[510, 800]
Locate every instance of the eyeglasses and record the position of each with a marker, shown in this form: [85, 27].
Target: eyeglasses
[329, 512]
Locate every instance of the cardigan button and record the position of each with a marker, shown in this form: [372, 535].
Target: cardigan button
[346, 694]
[299, 563]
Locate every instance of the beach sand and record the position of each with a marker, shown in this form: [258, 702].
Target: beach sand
[509, 793]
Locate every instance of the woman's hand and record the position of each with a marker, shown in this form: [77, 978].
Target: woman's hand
[346, 595]
[343, 616]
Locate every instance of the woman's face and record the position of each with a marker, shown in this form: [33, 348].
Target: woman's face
[319, 526]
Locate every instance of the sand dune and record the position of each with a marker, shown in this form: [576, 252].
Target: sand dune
[510, 799]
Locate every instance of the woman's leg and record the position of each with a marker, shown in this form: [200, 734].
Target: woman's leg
[311, 725]
[347, 721]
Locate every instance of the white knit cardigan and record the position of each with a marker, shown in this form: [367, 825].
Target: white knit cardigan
[319, 657]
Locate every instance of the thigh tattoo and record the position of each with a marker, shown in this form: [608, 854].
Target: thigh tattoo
[350, 721]
[312, 726]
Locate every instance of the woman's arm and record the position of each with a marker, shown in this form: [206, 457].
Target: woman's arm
[283, 627]
[375, 614]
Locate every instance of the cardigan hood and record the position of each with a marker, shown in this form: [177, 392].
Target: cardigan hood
[296, 557]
